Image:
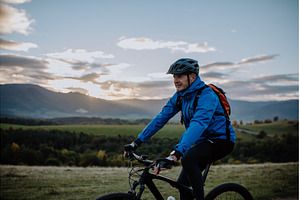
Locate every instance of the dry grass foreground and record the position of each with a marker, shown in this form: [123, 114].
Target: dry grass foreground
[264, 181]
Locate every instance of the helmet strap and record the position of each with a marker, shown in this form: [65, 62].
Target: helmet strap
[189, 81]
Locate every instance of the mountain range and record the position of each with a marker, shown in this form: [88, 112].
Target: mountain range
[27, 100]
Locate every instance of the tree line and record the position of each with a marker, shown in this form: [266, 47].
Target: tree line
[56, 147]
[69, 120]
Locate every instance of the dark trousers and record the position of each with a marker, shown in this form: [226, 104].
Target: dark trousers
[195, 161]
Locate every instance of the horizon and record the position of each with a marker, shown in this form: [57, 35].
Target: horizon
[115, 50]
[128, 99]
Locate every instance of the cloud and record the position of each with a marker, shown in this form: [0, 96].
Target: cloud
[15, 1]
[8, 60]
[257, 59]
[281, 79]
[144, 90]
[81, 59]
[78, 90]
[277, 87]
[214, 75]
[79, 55]
[92, 77]
[217, 65]
[14, 20]
[144, 43]
[16, 46]
[85, 66]
[233, 65]
[22, 69]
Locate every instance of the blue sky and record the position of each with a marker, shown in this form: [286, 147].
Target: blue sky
[114, 49]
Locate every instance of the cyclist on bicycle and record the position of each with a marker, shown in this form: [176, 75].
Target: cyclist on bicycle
[209, 135]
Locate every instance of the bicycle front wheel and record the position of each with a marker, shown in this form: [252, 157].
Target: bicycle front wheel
[229, 191]
[116, 196]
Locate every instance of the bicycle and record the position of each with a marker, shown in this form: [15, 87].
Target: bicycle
[223, 191]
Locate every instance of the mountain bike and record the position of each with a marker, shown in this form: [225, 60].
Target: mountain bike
[145, 179]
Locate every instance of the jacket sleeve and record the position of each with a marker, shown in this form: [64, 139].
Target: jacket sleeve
[167, 112]
[206, 107]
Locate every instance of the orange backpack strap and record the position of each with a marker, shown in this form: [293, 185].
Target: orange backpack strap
[224, 103]
[222, 97]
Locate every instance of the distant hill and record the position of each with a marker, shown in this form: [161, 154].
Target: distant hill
[34, 101]
[26, 100]
[249, 111]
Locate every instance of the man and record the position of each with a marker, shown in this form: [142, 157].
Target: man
[209, 135]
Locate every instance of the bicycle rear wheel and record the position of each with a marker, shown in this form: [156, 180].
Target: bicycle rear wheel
[116, 196]
[229, 191]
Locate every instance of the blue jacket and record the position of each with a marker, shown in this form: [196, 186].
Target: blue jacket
[207, 121]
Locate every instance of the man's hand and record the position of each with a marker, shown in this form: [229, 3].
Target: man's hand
[131, 147]
[165, 163]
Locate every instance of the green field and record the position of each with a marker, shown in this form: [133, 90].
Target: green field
[279, 127]
[169, 131]
[264, 181]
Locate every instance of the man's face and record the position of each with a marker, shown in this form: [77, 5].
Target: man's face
[181, 82]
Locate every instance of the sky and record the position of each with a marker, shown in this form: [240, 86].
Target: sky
[117, 49]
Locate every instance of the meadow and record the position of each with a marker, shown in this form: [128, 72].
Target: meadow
[265, 181]
[274, 128]
[168, 131]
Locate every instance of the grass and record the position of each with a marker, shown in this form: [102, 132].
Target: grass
[169, 131]
[278, 127]
[264, 181]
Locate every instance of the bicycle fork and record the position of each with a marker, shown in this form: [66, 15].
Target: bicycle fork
[145, 180]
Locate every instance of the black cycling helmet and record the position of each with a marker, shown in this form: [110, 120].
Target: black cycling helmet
[184, 66]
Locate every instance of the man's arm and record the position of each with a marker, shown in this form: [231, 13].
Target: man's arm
[167, 112]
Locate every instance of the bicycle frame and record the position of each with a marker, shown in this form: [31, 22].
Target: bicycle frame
[142, 178]
[146, 179]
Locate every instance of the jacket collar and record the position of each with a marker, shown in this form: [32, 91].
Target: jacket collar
[196, 85]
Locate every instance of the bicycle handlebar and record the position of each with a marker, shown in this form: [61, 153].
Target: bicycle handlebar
[140, 158]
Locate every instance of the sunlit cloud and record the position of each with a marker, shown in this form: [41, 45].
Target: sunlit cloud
[142, 90]
[160, 75]
[14, 20]
[144, 43]
[78, 90]
[82, 60]
[15, 1]
[79, 55]
[16, 46]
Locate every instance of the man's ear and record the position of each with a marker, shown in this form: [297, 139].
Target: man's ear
[193, 77]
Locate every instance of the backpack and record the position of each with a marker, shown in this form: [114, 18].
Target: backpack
[222, 98]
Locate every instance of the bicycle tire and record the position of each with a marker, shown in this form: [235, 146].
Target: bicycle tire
[226, 188]
[116, 196]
